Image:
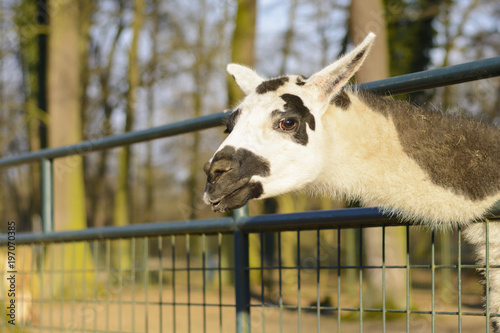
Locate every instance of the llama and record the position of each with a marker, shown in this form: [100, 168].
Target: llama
[291, 133]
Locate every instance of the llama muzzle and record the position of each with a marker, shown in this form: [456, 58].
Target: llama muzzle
[229, 178]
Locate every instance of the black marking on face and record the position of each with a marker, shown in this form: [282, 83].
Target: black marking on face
[246, 163]
[295, 108]
[301, 80]
[250, 164]
[228, 177]
[341, 100]
[457, 153]
[271, 85]
[230, 121]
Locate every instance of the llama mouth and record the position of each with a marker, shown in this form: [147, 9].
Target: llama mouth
[217, 208]
[224, 203]
[236, 198]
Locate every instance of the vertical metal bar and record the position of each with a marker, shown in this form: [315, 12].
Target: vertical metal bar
[21, 271]
[24, 272]
[384, 309]
[40, 281]
[241, 274]
[73, 291]
[299, 305]
[174, 305]
[433, 283]
[262, 301]
[145, 261]
[280, 282]
[219, 272]
[83, 308]
[407, 279]
[459, 273]
[318, 297]
[108, 274]
[120, 284]
[73, 273]
[33, 262]
[188, 271]
[339, 315]
[204, 283]
[3, 285]
[160, 283]
[132, 280]
[96, 274]
[487, 275]
[51, 285]
[361, 308]
[47, 195]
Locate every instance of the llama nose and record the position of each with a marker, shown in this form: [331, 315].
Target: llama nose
[217, 168]
[206, 168]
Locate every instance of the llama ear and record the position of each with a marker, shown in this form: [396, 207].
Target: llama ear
[330, 80]
[246, 78]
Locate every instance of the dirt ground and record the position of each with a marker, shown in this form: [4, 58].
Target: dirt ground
[139, 309]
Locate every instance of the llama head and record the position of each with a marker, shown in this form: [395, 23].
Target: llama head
[276, 136]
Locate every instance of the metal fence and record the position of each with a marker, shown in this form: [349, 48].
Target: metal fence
[178, 281]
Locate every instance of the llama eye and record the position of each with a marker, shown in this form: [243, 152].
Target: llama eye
[227, 131]
[288, 124]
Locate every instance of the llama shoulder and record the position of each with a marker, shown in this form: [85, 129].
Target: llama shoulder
[457, 152]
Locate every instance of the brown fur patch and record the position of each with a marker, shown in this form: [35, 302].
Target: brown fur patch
[457, 153]
[341, 100]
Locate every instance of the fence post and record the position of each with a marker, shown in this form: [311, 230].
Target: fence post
[47, 196]
[241, 274]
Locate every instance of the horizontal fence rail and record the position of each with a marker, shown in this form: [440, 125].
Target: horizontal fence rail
[311, 220]
[433, 78]
[170, 239]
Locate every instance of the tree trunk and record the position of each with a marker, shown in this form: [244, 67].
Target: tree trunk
[243, 44]
[98, 201]
[33, 51]
[199, 68]
[286, 50]
[121, 212]
[65, 128]
[149, 212]
[370, 17]
[366, 17]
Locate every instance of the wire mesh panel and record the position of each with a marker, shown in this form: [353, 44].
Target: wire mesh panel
[385, 278]
[147, 284]
[312, 281]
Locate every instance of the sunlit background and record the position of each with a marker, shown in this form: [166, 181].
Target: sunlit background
[135, 64]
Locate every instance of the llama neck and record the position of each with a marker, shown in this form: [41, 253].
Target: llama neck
[371, 159]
